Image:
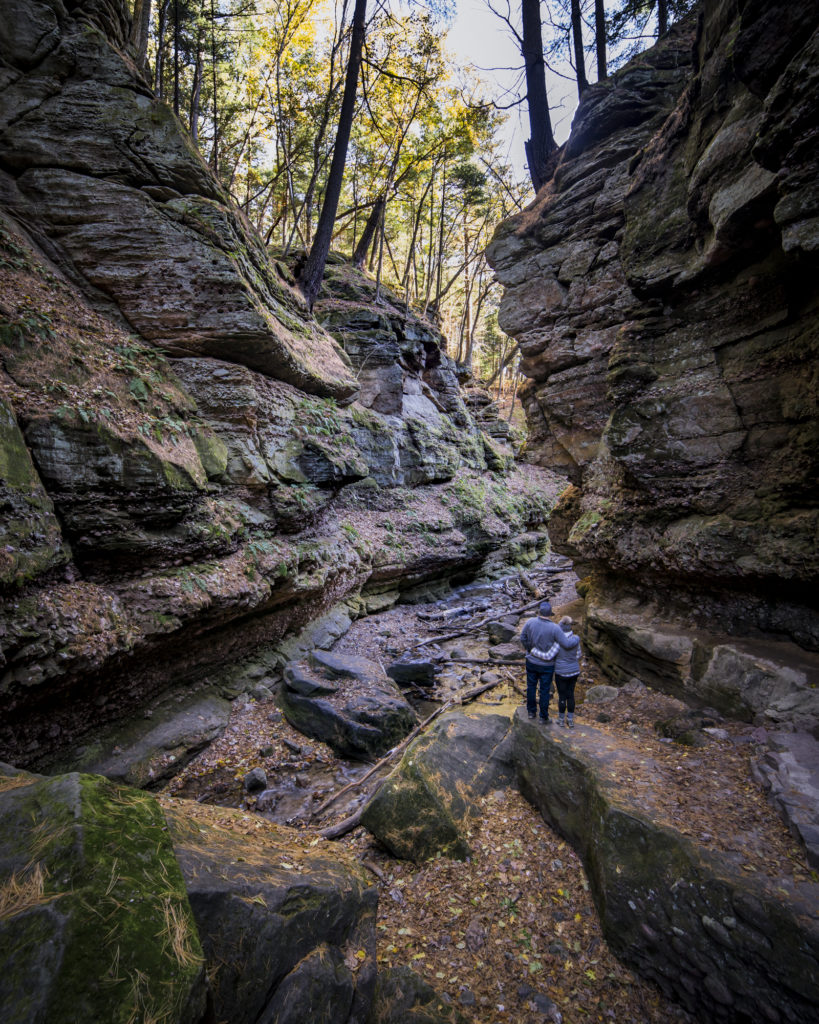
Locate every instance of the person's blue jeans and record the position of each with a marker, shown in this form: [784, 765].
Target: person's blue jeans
[538, 677]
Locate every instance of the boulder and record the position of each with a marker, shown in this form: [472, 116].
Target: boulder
[403, 997]
[601, 694]
[507, 653]
[422, 673]
[423, 807]
[500, 632]
[354, 706]
[288, 930]
[96, 923]
[727, 945]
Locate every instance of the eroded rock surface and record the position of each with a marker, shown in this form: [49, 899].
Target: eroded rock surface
[726, 945]
[168, 516]
[663, 289]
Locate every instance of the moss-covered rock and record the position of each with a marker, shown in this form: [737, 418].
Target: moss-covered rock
[288, 929]
[95, 922]
[423, 808]
[30, 538]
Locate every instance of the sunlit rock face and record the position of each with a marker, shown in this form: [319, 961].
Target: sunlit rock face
[663, 289]
[122, 198]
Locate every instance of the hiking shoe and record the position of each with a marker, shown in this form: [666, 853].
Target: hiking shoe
[545, 720]
[570, 723]
[561, 720]
[531, 714]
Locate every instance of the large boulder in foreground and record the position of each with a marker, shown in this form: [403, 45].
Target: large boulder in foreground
[423, 808]
[727, 945]
[288, 930]
[95, 923]
[348, 702]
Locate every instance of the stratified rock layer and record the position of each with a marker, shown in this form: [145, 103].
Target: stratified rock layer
[125, 201]
[726, 945]
[663, 288]
[187, 474]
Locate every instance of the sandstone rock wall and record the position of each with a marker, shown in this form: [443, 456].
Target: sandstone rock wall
[191, 466]
[663, 288]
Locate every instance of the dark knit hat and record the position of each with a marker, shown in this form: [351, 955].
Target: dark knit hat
[545, 608]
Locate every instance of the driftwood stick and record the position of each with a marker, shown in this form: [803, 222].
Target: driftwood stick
[343, 827]
[353, 820]
[472, 628]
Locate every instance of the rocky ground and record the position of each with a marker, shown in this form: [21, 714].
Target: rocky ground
[512, 934]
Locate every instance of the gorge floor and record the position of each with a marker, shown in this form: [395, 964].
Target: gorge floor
[512, 934]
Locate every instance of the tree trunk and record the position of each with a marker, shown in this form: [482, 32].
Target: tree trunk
[196, 93]
[662, 18]
[579, 56]
[139, 32]
[176, 57]
[313, 270]
[214, 156]
[368, 234]
[541, 145]
[159, 76]
[600, 39]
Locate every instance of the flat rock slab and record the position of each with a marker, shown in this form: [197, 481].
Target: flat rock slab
[288, 931]
[423, 807]
[354, 706]
[96, 923]
[789, 771]
[728, 946]
[144, 752]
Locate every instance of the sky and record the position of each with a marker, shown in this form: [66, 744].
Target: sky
[478, 37]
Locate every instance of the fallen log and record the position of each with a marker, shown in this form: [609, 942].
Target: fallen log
[491, 618]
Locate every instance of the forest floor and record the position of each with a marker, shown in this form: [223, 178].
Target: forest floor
[511, 936]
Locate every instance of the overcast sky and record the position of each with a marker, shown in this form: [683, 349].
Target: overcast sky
[482, 39]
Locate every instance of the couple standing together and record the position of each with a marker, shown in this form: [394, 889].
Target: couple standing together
[551, 651]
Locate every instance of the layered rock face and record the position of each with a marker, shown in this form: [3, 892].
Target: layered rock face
[191, 466]
[663, 288]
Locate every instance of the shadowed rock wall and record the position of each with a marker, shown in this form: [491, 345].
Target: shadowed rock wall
[663, 288]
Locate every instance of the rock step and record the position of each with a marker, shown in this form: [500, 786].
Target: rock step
[727, 945]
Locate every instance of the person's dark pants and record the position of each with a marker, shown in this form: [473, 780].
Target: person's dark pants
[565, 693]
[538, 677]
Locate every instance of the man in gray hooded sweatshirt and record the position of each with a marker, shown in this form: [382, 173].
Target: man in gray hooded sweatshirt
[542, 640]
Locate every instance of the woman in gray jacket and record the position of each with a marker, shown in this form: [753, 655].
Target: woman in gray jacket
[567, 669]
